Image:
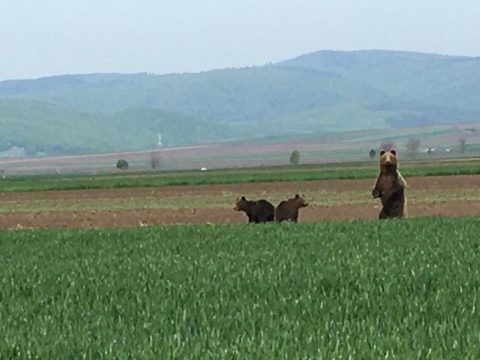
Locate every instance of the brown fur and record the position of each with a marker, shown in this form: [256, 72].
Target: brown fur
[390, 187]
[288, 209]
[257, 211]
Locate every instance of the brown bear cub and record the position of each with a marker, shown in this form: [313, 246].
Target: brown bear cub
[288, 209]
[257, 211]
[390, 187]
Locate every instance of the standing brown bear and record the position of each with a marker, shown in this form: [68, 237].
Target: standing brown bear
[288, 209]
[257, 211]
[390, 187]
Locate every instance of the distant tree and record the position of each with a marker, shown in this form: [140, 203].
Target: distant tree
[372, 153]
[122, 164]
[295, 157]
[155, 161]
[413, 146]
[463, 145]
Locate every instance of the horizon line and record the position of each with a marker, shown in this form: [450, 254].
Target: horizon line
[267, 63]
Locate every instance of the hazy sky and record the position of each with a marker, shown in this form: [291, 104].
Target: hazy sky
[48, 37]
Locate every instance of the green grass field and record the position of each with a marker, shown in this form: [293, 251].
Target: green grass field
[330, 290]
[231, 176]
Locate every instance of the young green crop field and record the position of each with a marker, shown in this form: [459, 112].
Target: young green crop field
[358, 170]
[404, 289]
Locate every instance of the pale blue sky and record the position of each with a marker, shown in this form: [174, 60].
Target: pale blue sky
[48, 37]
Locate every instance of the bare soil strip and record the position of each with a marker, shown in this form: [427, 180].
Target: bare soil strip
[199, 215]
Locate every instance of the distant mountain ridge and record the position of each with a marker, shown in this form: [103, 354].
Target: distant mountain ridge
[404, 75]
[314, 93]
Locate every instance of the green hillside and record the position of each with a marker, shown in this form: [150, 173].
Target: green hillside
[422, 82]
[251, 94]
[45, 128]
[317, 93]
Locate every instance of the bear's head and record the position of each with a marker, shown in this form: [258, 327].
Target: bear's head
[299, 201]
[388, 161]
[241, 204]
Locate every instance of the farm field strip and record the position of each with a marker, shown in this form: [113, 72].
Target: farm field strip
[226, 200]
[255, 175]
[360, 289]
[329, 199]
[143, 217]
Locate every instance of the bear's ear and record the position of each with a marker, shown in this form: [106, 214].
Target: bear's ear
[393, 152]
[297, 196]
[382, 152]
[243, 198]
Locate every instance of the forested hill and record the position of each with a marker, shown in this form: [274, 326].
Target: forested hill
[314, 93]
[38, 127]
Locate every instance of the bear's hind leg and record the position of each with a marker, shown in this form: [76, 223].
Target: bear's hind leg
[383, 214]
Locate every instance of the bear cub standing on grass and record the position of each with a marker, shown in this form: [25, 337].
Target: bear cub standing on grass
[257, 211]
[288, 209]
[390, 187]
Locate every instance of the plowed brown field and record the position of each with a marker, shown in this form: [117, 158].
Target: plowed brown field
[214, 203]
